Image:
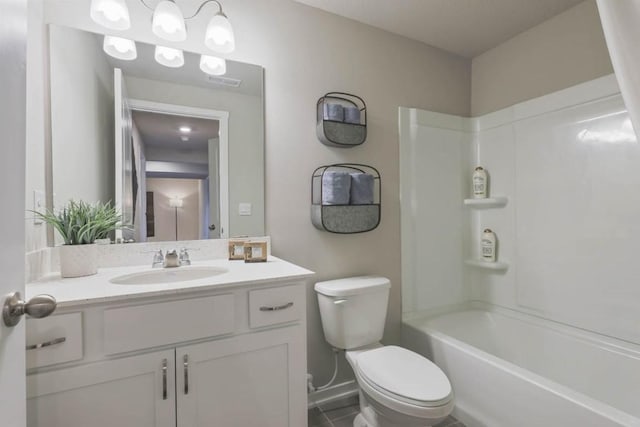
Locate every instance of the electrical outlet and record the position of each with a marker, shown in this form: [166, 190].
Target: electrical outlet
[39, 205]
[244, 209]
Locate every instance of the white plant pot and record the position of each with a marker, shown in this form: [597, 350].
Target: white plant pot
[78, 260]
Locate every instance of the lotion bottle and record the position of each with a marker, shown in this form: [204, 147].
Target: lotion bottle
[488, 246]
[479, 179]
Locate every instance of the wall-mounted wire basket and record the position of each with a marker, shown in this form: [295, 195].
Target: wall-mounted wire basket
[341, 120]
[335, 211]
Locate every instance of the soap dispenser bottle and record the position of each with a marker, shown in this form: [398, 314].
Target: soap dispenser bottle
[488, 245]
[479, 188]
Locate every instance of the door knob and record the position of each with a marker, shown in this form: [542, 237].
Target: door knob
[38, 307]
[212, 227]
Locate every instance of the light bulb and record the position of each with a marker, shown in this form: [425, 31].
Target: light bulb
[112, 14]
[169, 57]
[213, 65]
[219, 35]
[120, 48]
[168, 22]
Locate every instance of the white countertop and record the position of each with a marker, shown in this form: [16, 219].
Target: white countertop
[99, 289]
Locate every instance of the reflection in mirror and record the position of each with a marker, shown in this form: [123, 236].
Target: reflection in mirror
[179, 151]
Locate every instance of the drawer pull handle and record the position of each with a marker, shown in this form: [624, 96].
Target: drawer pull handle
[164, 379]
[185, 363]
[277, 308]
[47, 343]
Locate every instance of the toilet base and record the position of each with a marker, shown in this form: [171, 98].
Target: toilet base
[373, 414]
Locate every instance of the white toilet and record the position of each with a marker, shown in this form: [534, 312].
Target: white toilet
[397, 387]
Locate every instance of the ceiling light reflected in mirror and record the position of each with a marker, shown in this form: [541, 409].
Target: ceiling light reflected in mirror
[169, 57]
[120, 48]
[213, 65]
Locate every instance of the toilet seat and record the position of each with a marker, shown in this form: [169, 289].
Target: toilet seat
[399, 375]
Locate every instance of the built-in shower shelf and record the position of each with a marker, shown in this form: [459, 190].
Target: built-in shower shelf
[495, 266]
[488, 203]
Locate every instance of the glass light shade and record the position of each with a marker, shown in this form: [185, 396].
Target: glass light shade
[219, 35]
[213, 65]
[112, 14]
[168, 22]
[176, 203]
[169, 57]
[120, 48]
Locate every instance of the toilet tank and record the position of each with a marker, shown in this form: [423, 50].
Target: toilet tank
[353, 310]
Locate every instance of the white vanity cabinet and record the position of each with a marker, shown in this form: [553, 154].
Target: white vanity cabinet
[229, 358]
[129, 391]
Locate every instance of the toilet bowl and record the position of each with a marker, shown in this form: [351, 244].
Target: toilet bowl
[398, 388]
[401, 387]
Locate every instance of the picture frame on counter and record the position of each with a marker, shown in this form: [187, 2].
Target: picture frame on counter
[255, 251]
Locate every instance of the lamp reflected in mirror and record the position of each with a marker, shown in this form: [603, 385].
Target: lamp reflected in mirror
[176, 203]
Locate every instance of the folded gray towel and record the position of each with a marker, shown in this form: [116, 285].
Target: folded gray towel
[361, 188]
[333, 112]
[336, 186]
[352, 115]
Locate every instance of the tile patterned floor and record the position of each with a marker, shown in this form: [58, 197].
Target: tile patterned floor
[341, 414]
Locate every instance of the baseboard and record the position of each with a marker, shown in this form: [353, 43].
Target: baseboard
[330, 394]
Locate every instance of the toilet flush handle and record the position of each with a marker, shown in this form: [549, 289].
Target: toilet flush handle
[339, 301]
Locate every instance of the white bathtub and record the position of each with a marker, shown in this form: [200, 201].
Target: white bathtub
[512, 370]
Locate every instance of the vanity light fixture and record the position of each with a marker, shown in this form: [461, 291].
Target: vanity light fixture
[213, 65]
[168, 22]
[120, 48]
[169, 57]
[112, 14]
[184, 129]
[219, 35]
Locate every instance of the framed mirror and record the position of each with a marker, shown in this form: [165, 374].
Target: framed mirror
[180, 152]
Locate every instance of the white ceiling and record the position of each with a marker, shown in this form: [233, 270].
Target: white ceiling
[465, 27]
[162, 131]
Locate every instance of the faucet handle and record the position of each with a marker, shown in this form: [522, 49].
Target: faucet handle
[184, 257]
[158, 258]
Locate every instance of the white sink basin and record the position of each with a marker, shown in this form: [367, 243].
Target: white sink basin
[168, 275]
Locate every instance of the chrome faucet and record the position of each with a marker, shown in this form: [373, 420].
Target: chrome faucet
[184, 257]
[171, 259]
[158, 259]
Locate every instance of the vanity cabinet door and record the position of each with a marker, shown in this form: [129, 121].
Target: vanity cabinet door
[255, 379]
[136, 391]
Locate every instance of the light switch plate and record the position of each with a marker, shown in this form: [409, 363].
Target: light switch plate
[39, 205]
[244, 209]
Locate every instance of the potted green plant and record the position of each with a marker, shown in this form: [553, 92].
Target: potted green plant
[80, 224]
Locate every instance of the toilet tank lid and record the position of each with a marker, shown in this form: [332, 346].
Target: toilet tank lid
[353, 286]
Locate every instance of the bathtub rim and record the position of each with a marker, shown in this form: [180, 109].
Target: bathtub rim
[417, 323]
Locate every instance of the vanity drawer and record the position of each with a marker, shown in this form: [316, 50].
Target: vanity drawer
[56, 339]
[276, 305]
[151, 325]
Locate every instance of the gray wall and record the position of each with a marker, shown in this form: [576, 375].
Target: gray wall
[561, 52]
[82, 120]
[306, 53]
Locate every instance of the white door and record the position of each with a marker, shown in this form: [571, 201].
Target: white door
[215, 228]
[123, 155]
[13, 39]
